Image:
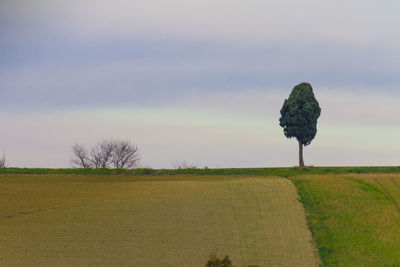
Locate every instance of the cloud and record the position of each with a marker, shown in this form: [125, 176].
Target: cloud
[349, 21]
[146, 73]
[69, 54]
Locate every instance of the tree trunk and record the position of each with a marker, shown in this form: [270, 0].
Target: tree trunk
[301, 160]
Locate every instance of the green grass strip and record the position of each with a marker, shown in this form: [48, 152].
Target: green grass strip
[282, 172]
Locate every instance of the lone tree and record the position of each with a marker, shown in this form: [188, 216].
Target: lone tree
[299, 115]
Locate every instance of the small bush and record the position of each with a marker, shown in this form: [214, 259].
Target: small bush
[214, 261]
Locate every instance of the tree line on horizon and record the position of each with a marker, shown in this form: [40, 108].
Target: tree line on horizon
[299, 115]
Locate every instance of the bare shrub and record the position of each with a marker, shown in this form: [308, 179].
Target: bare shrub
[3, 160]
[125, 154]
[101, 153]
[106, 154]
[80, 156]
[183, 165]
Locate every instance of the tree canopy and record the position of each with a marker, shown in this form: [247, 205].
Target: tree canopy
[299, 114]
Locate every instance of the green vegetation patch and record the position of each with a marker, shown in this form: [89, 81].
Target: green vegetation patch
[281, 172]
[354, 218]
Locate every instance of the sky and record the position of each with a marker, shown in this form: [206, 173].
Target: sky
[199, 81]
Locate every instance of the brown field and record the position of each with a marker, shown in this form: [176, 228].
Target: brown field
[68, 220]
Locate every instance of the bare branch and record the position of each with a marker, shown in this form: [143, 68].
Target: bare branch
[101, 154]
[183, 165]
[107, 153]
[80, 156]
[3, 160]
[125, 154]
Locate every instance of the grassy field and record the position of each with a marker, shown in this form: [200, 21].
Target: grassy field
[172, 219]
[175, 220]
[355, 218]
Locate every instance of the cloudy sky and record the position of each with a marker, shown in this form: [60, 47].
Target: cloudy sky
[201, 81]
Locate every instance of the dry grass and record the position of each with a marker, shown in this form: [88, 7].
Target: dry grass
[67, 220]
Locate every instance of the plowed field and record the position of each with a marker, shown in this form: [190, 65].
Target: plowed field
[70, 220]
